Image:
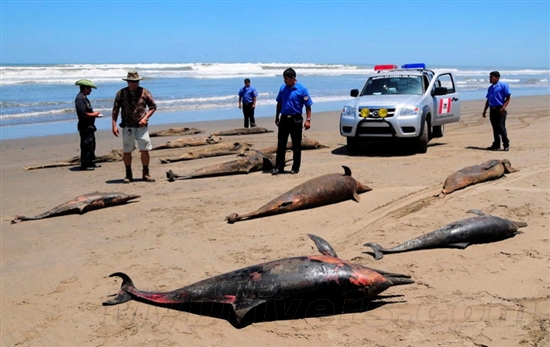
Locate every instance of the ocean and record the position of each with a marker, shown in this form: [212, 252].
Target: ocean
[38, 100]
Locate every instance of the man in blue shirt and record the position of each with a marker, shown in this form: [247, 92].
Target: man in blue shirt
[291, 99]
[498, 98]
[247, 95]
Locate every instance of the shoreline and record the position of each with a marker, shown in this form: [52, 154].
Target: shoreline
[177, 118]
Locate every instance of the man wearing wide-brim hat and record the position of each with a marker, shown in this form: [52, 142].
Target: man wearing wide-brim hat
[136, 105]
[86, 124]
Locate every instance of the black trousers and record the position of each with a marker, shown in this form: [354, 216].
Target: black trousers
[87, 146]
[248, 113]
[289, 126]
[498, 122]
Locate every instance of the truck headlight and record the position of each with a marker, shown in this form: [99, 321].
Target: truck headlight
[348, 111]
[409, 111]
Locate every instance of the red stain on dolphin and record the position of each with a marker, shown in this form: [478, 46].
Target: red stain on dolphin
[322, 190]
[82, 204]
[308, 277]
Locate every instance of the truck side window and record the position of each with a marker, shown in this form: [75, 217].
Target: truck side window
[447, 82]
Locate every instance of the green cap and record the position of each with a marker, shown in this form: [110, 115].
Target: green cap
[86, 83]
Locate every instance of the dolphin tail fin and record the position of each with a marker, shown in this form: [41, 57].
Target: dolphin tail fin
[377, 249]
[232, 218]
[520, 225]
[122, 296]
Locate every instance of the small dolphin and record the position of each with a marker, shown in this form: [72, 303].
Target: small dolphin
[243, 131]
[82, 204]
[307, 277]
[481, 229]
[322, 190]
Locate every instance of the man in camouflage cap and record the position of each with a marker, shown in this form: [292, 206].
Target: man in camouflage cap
[137, 105]
[86, 124]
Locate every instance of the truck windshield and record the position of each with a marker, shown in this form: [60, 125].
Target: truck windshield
[393, 85]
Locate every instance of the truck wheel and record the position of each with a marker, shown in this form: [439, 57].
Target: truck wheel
[438, 131]
[351, 144]
[422, 140]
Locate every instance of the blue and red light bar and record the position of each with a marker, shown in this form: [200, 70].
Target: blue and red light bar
[414, 66]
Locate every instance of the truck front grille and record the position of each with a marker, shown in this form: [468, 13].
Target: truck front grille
[374, 112]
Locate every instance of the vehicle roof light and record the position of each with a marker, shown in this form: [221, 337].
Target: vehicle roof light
[414, 66]
[385, 67]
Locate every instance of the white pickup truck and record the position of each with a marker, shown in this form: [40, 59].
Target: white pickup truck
[410, 102]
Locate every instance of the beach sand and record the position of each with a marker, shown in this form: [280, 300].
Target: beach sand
[55, 271]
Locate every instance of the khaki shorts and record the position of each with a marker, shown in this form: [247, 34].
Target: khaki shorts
[131, 135]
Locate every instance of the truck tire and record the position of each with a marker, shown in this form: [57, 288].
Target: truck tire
[438, 131]
[422, 140]
[351, 144]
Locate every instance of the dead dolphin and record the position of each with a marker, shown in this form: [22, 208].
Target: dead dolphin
[114, 155]
[188, 142]
[322, 190]
[316, 276]
[243, 131]
[208, 151]
[481, 229]
[244, 165]
[82, 204]
[176, 132]
[489, 170]
[307, 143]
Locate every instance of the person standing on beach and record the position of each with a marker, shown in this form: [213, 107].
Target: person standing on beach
[291, 99]
[137, 106]
[247, 101]
[498, 98]
[86, 124]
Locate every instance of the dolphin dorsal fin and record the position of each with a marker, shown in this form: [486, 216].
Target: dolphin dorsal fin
[347, 170]
[323, 246]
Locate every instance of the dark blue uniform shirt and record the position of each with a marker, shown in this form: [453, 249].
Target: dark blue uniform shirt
[293, 99]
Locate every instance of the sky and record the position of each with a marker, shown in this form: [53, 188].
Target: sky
[451, 33]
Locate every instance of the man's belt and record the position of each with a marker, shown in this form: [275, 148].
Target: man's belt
[292, 115]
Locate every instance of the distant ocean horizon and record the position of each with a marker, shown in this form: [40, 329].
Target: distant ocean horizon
[37, 100]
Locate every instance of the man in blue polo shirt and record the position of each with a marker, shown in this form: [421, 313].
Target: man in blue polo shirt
[247, 102]
[498, 98]
[291, 99]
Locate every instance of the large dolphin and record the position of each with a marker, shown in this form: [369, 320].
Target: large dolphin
[82, 204]
[322, 190]
[244, 165]
[489, 170]
[308, 277]
[481, 229]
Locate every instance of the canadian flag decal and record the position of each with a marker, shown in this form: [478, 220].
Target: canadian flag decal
[445, 105]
